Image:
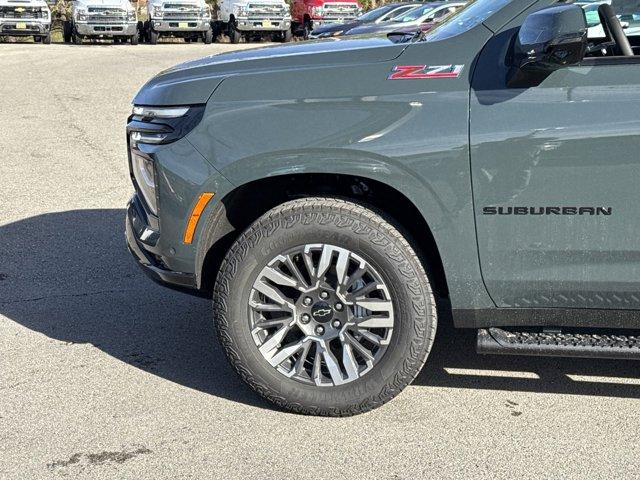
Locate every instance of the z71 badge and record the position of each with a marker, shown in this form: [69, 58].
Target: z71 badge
[416, 72]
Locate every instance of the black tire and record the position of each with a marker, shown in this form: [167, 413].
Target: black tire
[153, 36]
[46, 39]
[77, 39]
[356, 228]
[67, 31]
[287, 36]
[207, 38]
[234, 34]
[133, 39]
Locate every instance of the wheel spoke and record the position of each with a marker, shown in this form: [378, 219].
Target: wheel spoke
[270, 347]
[296, 272]
[280, 278]
[368, 356]
[349, 361]
[265, 307]
[375, 321]
[299, 366]
[374, 304]
[332, 365]
[286, 352]
[317, 365]
[325, 262]
[271, 293]
[372, 337]
[269, 323]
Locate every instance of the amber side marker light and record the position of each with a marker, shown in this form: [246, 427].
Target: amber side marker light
[200, 205]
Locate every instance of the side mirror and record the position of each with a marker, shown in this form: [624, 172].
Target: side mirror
[551, 38]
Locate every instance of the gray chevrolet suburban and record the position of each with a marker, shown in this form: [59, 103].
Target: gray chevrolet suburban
[338, 198]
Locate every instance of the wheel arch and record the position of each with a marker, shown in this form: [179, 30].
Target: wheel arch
[247, 202]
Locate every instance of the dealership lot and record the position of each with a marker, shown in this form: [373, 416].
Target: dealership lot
[105, 374]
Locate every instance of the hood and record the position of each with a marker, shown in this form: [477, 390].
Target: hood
[104, 3]
[23, 3]
[193, 82]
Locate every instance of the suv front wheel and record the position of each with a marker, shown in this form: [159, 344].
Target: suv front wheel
[323, 307]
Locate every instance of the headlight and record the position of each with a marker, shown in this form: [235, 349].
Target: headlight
[131, 16]
[160, 112]
[205, 12]
[45, 13]
[144, 174]
[316, 11]
[157, 11]
[241, 11]
[81, 15]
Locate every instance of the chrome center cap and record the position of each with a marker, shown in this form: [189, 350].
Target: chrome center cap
[322, 312]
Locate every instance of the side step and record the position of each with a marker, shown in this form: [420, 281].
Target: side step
[553, 343]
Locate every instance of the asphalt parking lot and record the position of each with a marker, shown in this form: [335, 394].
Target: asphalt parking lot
[103, 374]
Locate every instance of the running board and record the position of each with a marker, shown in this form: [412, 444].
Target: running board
[553, 343]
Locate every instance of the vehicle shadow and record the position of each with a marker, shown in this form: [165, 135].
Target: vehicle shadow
[69, 276]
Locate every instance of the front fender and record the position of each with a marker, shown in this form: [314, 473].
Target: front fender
[351, 120]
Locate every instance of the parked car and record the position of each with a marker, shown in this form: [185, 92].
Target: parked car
[254, 18]
[26, 18]
[427, 13]
[375, 16]
[93, 19]
[188, 19]
[339, 199]
[310, 14]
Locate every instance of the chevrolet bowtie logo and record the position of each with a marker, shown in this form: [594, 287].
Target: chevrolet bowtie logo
[322, 312]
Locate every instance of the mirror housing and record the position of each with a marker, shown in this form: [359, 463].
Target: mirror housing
[551, 38]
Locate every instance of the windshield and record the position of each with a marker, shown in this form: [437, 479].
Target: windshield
[413, 14]
[371, 15]
[465, 19]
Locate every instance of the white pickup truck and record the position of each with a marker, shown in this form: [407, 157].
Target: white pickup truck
[189, 19]
[254, 18]
[116, 19]
[22, 18]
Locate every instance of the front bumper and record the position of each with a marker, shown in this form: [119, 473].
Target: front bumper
[17, 28]
[246, 24]
[108, 29]
[193, 25]
[140, 240]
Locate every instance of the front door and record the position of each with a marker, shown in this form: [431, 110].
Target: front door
[556, 184]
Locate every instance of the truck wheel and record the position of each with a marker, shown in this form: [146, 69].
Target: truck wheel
[234, 34]
[134, 39]
[77, 39]
[286, 36]
[208, 37]
[46, 39]
[324, 308]
[153, 36]
[66, 31]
